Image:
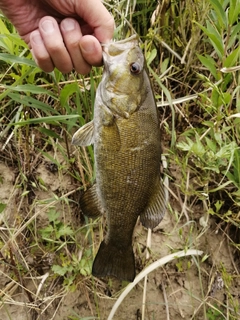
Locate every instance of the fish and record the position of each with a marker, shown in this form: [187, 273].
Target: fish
[125, 131]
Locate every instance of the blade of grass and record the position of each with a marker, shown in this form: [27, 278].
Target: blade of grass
[147, 270]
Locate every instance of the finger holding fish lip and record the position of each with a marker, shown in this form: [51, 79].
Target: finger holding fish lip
[91, 50]
[72, 37]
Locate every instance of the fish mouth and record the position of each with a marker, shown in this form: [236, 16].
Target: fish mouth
[105, 61]
[130, 39]
[114, 48]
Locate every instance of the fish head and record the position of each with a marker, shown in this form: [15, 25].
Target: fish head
[124, 68]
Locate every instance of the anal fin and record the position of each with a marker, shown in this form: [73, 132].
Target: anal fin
[156, 207]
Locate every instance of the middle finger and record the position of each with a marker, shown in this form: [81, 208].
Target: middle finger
[72, 35]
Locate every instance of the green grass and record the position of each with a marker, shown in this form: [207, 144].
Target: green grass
[192, 51]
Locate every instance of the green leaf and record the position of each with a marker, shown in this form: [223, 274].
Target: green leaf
[231, 60]
[211, 144]
[221, 14]
[16, 41]
[198, 148]
[49, 133]
[3, 28]
[185, 146]
[64, 231]
[4, 41]
[2, 207]
[164, 65]
[209, 63]
[67, 92]
[236, 167]
[214, 38]
[53, 215]
[59, 270]
[47, 231]
[227, 97]
[151, 56]
[234, 37]
[29, 88]
[32, 102]
[53, 119]
[10, 58]
[215, 98]
[233, 12]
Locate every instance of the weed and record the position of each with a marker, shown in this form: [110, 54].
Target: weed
[214, 313]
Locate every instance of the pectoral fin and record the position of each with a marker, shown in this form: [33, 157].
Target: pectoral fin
[84, 136]
[90, 203]
[155, 210]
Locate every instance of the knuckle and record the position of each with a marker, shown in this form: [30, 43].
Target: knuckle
[54, 47]
[72, 43]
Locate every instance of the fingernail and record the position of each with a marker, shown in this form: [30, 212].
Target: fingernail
[48, 26]
[68, 24]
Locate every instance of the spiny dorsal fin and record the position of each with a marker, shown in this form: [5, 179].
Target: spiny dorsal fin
[84, 136]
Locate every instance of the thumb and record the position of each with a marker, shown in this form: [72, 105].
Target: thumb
[95, 14]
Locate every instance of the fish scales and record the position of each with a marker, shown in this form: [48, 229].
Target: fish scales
[127, 149]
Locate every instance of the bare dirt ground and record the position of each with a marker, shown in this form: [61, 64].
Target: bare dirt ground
[183, 289]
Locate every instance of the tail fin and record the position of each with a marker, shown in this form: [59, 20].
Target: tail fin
[112, 261]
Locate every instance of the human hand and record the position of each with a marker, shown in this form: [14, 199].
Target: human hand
[65, 34]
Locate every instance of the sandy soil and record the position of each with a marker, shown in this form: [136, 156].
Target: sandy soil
[184, 287]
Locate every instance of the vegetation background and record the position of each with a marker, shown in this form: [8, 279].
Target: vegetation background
[47, 248]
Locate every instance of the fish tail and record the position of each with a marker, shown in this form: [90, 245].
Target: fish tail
[112, 261]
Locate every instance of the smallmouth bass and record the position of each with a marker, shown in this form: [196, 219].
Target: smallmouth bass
[126, 136]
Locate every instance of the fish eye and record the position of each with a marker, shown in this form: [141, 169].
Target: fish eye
[135, 68]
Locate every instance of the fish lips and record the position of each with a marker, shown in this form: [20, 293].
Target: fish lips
[113, 49]
[106, 60]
